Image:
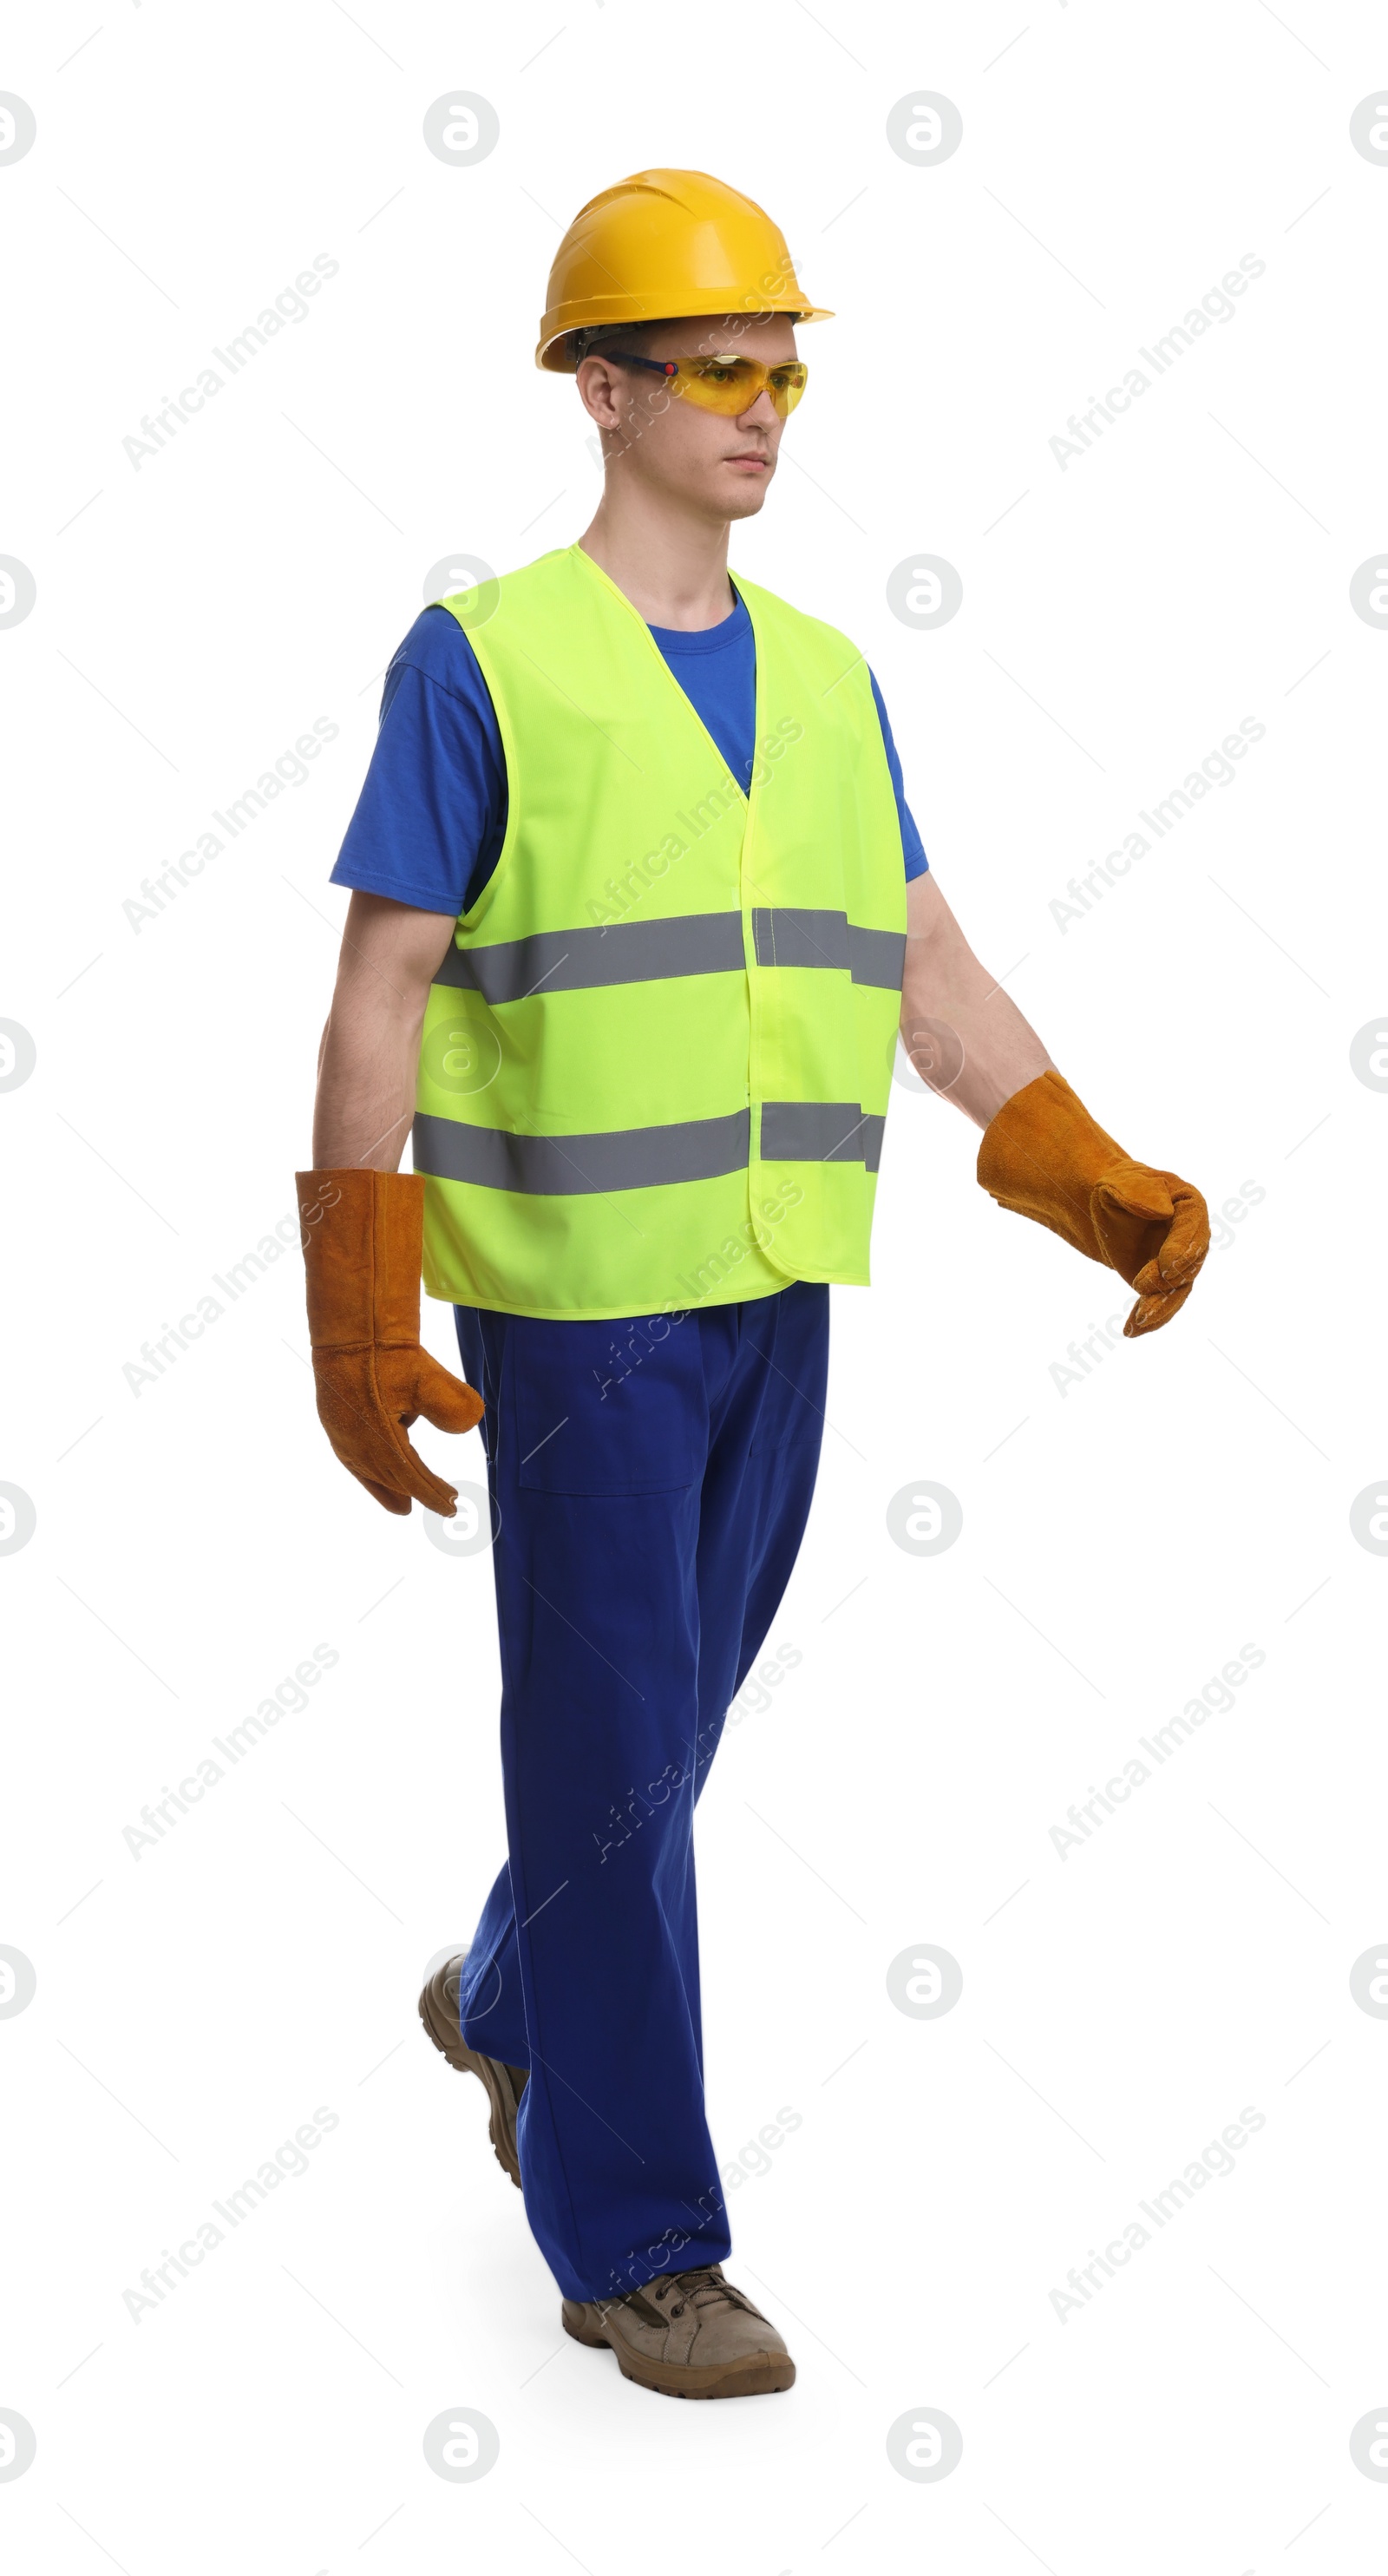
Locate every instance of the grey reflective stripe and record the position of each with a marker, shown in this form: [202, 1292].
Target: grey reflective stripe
[795, 935]
[692, 943]
[820, 1131]
[878, 956]
[620, 1158]
[623, 952]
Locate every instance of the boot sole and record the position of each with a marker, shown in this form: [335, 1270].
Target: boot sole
[760, 2375]
[441, 2028]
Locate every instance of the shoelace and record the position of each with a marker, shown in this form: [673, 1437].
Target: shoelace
[701, 2284]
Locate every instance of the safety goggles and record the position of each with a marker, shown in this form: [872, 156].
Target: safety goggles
[724, 384]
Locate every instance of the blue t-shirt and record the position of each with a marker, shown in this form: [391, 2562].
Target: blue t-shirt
[431, 816]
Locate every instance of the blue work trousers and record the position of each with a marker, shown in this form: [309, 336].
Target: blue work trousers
[650, 1483]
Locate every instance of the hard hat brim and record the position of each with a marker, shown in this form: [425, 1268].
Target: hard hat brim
[553, 352]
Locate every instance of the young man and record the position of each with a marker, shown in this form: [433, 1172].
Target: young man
[635, 885]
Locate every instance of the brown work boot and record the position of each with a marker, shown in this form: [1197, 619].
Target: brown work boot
[438, 2010]
[689, 2335]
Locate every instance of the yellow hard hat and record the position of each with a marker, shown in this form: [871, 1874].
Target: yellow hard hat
[661, 244]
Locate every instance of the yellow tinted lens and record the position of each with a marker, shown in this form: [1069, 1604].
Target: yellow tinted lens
[786, 385]
[721, 384]
[732, 385]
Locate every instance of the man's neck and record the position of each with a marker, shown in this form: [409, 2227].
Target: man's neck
[673, 568]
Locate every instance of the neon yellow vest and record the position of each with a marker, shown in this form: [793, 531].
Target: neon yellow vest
[655, 1063]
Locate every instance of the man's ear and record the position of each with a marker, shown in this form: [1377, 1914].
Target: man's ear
[597, 384]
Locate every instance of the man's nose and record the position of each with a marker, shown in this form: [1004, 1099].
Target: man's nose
[761, 414]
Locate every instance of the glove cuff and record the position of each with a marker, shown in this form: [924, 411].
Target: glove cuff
[363, 1235]
[1043, 1156]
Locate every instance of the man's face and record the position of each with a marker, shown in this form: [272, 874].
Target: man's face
[718, 464]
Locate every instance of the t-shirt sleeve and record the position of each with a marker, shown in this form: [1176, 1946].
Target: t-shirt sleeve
[917, 863]
[431, 816]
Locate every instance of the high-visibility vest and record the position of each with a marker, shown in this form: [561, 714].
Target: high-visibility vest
[655, 1062]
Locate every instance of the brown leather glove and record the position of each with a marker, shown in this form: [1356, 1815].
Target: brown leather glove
[363, 1234]
[1044, 1157]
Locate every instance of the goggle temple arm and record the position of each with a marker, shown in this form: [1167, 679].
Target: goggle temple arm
[656, 366]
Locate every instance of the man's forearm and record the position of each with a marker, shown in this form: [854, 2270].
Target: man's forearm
[366, 1087]
[964, 1036]
[369, 1059]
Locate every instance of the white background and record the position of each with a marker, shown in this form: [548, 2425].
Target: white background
[1123, 1536]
